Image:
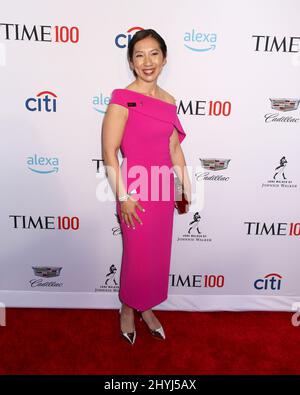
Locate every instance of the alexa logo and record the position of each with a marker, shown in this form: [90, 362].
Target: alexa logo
[122, 39]
[271, 282]
[42, 164]
[200, 41]
[44, 101]
[100, 103]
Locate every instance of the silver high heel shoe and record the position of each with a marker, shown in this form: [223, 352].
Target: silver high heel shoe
[157, 333]
[129, 336]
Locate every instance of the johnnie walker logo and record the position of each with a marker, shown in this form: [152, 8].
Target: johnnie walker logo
[194, 231]
[280, 177]
[110, 282]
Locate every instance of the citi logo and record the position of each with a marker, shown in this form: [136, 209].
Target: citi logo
[44, 101]
[122, 39]
[200, 42]
[42, 164]
[271, 281]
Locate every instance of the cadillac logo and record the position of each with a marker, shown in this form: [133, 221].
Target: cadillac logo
[46, 271]
[215, 164]
[284, 104]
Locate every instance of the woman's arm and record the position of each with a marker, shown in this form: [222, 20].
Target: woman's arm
[178, 160]
[112, 131]
[179, 164]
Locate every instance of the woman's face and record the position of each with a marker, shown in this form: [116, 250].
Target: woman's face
[147, 59]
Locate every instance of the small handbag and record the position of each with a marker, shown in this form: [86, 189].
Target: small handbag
[180, 201]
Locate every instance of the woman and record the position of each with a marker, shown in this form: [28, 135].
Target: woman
[141, 119]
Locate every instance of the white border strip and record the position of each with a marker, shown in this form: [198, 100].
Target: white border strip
[84, 300]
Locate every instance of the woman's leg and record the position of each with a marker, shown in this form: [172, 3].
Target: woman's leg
[150, 319]
[127, 318]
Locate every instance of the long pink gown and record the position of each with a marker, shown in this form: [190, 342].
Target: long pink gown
[145, 265]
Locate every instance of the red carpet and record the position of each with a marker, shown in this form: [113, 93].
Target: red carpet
[67, 341]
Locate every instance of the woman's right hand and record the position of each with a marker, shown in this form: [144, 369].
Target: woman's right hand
[128, 208]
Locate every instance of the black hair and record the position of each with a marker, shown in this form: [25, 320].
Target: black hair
[140, 35]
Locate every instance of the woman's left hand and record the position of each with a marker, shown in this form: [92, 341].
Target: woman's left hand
[188, 195]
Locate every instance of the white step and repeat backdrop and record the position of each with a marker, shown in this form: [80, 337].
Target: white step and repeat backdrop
[234, 69]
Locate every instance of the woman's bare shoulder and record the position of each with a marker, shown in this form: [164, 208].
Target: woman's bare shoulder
[168, 97]
[163, 94]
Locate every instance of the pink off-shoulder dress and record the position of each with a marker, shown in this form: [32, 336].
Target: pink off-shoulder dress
[148, 175]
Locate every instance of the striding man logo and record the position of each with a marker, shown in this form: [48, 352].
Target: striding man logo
[281, 168]
[194, 224]
[111, 275]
